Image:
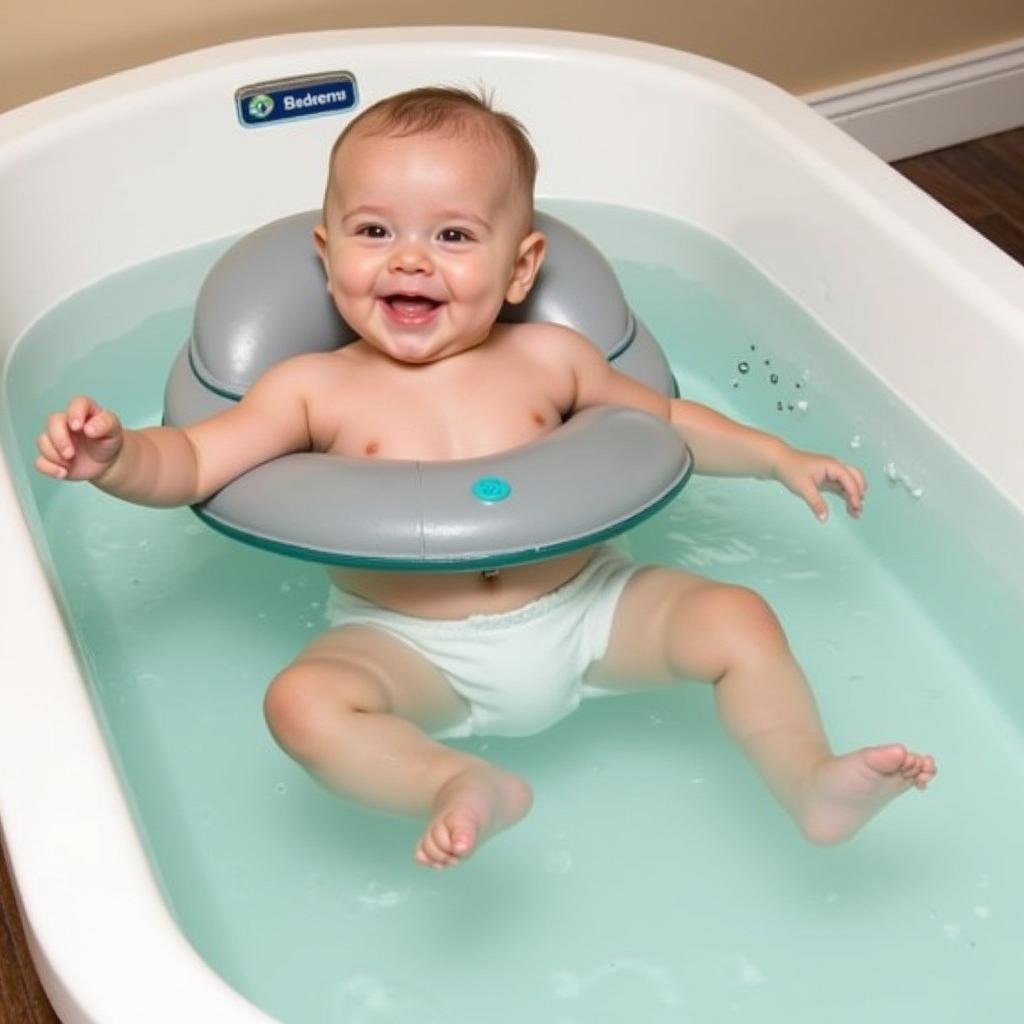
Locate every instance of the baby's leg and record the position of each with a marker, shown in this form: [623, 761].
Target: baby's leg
[671, 625]
[353, 708]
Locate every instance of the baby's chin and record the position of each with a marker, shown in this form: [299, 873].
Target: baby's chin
[415, 352]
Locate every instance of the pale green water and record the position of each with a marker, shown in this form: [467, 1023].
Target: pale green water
[654, 880]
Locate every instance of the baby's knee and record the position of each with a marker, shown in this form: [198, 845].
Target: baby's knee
[742, 624]
[308, 701]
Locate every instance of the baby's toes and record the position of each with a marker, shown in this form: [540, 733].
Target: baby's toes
[432, 851]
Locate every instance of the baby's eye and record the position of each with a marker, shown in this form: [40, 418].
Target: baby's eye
[453, 235]
[373, 231]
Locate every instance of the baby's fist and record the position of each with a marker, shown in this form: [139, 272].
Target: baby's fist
[79, 443]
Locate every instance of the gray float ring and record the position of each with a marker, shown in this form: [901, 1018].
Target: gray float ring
[593, 477]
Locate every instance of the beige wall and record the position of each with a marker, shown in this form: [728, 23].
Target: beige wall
[47, 45]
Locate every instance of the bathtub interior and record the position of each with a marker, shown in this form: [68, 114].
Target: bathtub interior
[959, 906]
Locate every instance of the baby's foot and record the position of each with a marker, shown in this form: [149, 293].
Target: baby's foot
[469, 808]
[842, 793]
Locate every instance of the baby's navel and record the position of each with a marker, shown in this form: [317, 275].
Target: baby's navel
[372, 447]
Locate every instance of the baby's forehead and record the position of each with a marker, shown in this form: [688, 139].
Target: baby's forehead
[469, 132]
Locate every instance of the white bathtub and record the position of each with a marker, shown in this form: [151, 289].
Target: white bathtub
[153, 160]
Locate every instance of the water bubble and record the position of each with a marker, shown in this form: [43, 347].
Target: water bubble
[743, 367]
[750, 973]
[856, 441]
[280, 789]
[558, 862]
[657, 719]
[285, 587]
[774, 378]
[377, 897]
[983, 912]
[779, 406]
[951, 931]
[802, 406]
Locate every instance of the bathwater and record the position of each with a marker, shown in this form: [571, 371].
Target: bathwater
[655, 880]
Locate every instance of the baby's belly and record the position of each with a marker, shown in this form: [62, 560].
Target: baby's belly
[459, 594]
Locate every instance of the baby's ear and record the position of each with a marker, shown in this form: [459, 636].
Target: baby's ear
[320, 241]
[532, 250]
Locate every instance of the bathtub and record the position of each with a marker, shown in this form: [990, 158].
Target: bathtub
[929, 307]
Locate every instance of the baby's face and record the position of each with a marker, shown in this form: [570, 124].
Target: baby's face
[425, 237]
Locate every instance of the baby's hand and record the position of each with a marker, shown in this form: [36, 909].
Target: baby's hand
[81, 443]
[807, 475]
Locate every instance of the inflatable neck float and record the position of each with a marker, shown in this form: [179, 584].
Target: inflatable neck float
[598, 474]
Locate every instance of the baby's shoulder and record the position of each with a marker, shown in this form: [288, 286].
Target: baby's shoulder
[303, 375]
[552, 343]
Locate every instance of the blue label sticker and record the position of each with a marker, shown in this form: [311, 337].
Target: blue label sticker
[289, 98]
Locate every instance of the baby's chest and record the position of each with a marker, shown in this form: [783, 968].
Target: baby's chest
[476, 417]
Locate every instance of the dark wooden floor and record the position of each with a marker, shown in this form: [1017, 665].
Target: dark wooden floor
[980, 181]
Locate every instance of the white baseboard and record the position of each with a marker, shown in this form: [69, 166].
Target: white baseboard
[933, 105]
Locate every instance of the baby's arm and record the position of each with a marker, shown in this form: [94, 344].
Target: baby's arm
[166, 466]
[720, 446]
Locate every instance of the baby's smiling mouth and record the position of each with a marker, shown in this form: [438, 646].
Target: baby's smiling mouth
[410, 309]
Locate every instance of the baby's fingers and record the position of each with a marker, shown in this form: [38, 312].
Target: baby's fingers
[58, 435]
[101, 424]
[80, 409]
[849, 482]
[50, 460]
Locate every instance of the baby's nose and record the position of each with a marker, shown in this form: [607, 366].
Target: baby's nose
[410, 257]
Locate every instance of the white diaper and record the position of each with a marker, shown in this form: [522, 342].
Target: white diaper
[520, 671]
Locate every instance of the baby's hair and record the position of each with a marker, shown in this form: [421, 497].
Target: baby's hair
[445, 110]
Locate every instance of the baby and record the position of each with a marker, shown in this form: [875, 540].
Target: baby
[427, 229]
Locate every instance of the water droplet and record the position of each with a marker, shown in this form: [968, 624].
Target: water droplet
[891, 471]
[779, 406]
[983, 912]
[743, 367]
[951, 931]
[855, 441]
[774, 378]
[802, 406]
[280, 789]
[657, 719]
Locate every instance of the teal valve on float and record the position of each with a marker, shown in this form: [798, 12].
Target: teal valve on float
[491, 489]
